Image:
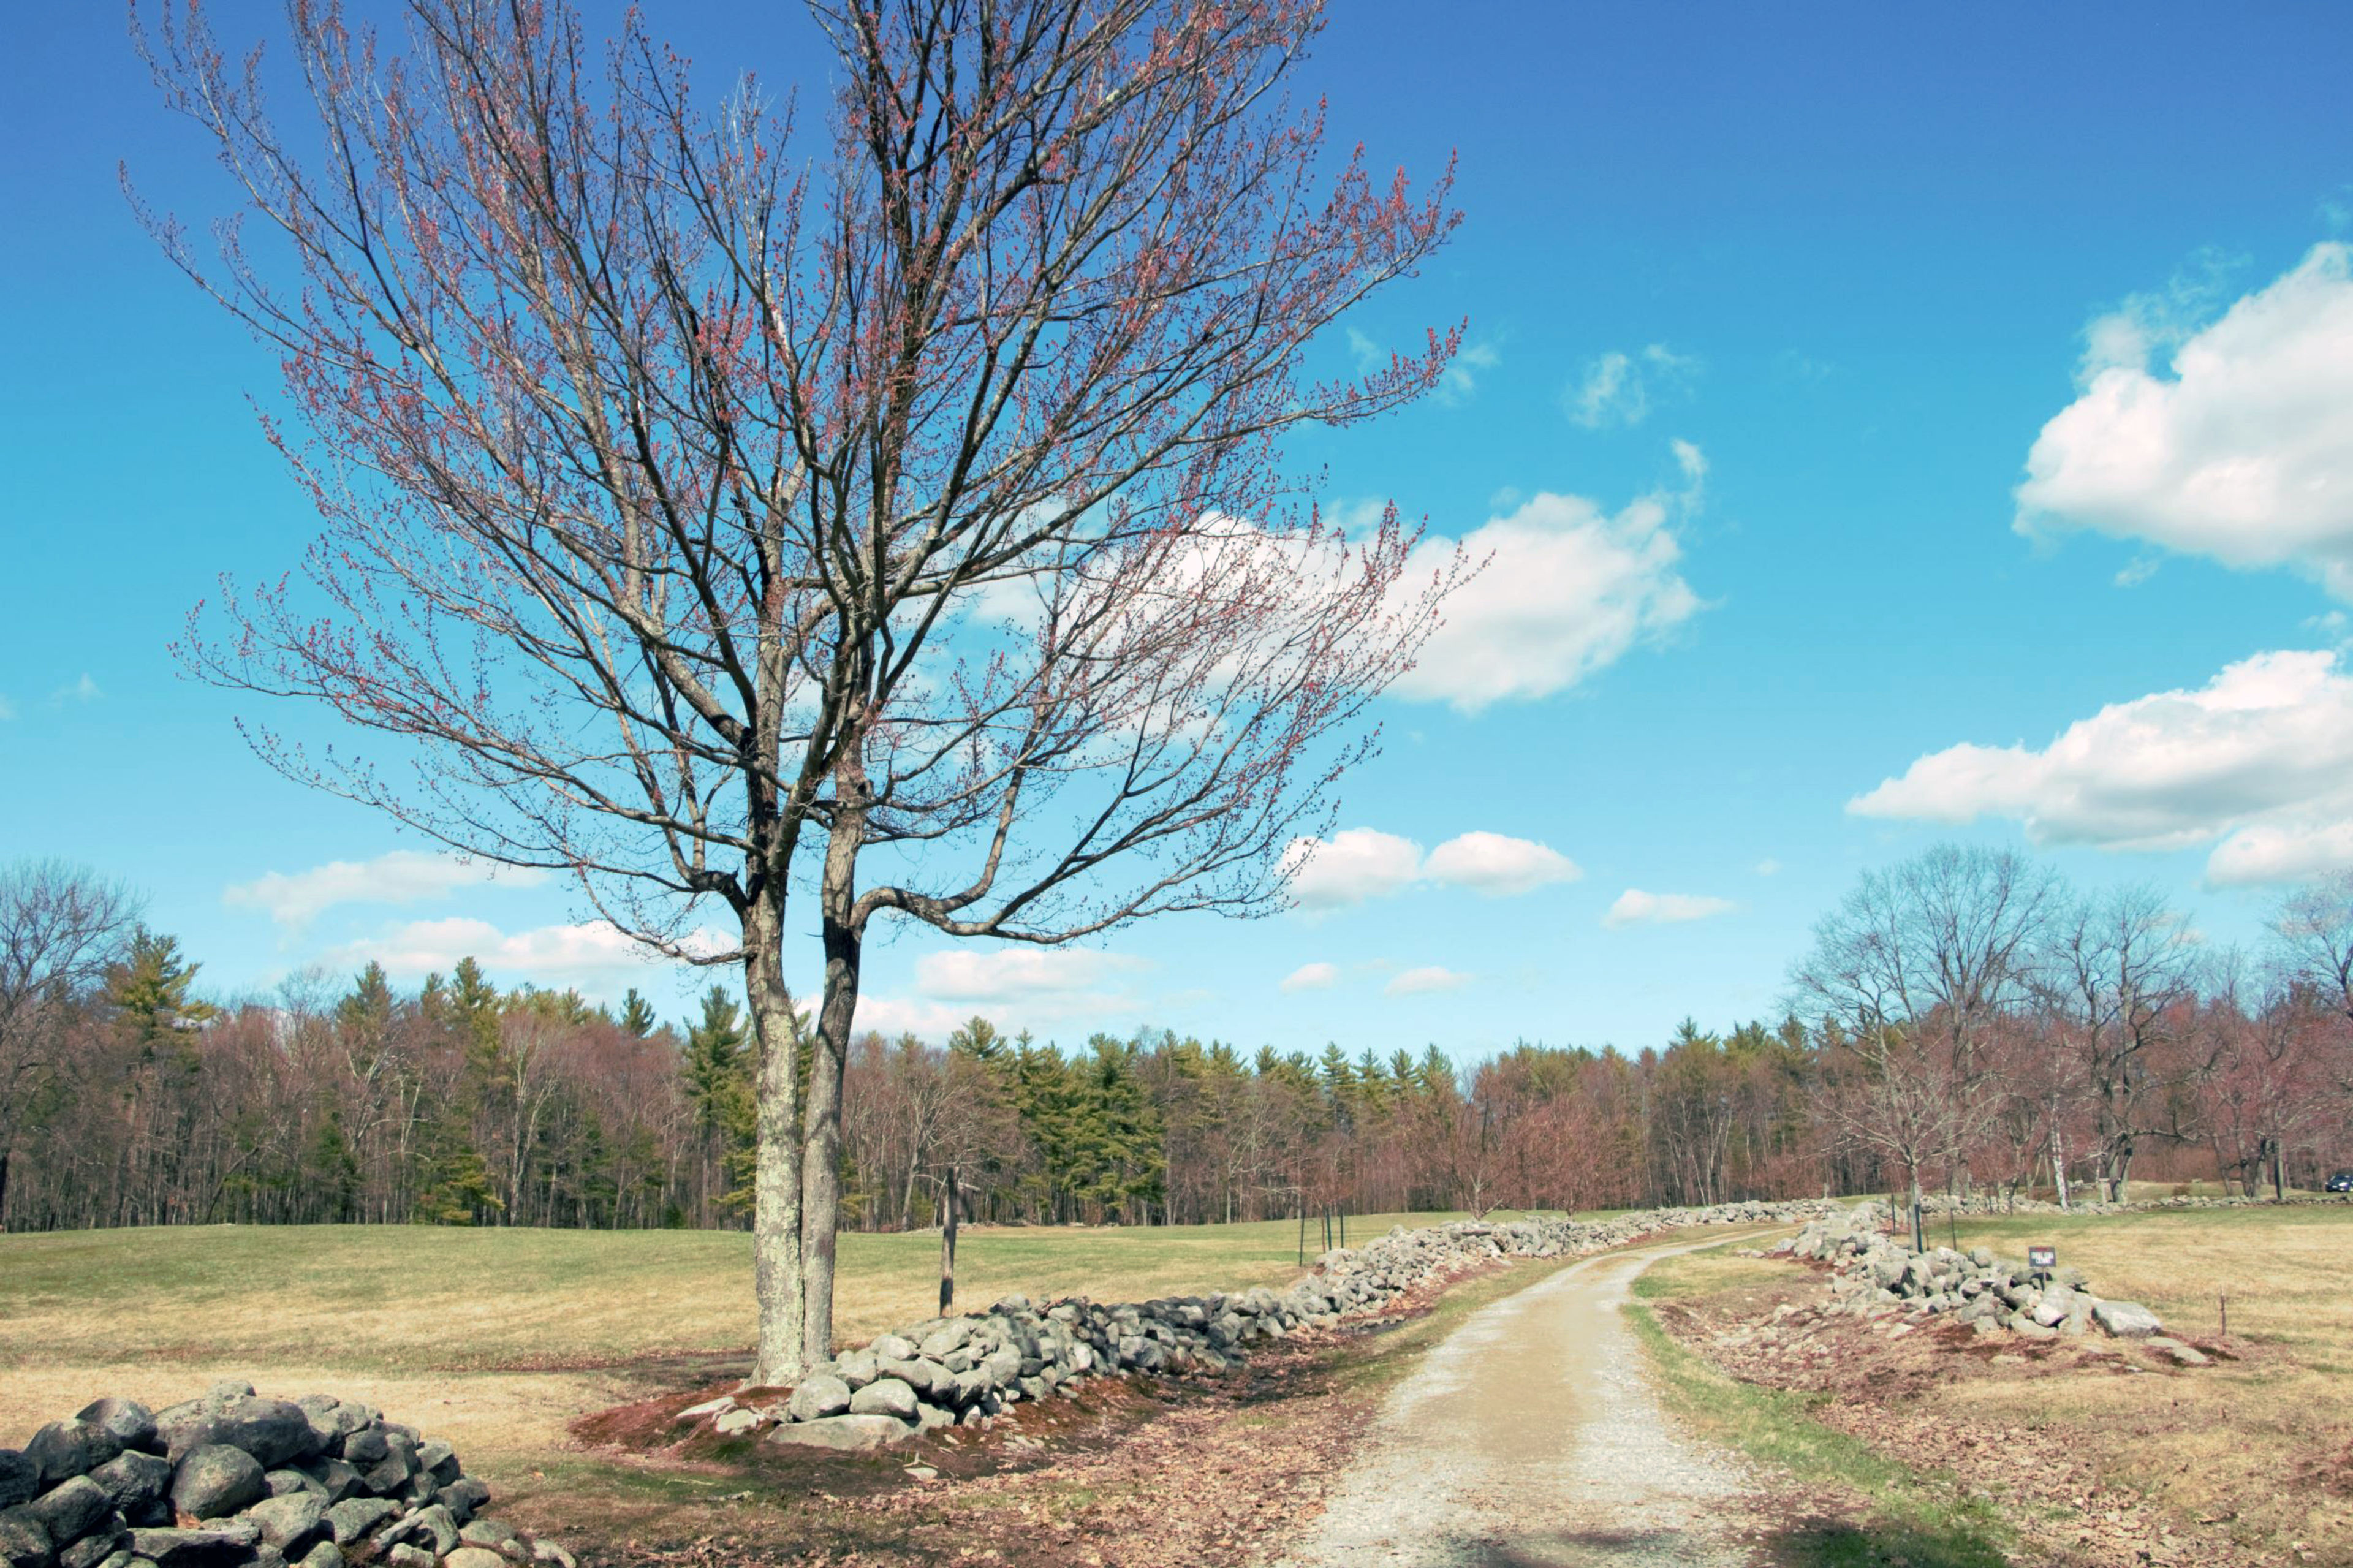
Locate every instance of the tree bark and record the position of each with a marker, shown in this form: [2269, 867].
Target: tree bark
[844, 935]
[776, 1263]
[947, 1245]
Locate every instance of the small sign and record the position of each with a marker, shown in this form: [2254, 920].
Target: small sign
[2042, 1257]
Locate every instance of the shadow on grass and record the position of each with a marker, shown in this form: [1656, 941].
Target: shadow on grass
[1834, 1543]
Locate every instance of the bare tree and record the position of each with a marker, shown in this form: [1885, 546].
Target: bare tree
[1914, 974]
[699, 517]
[61, 926]
[2118, 971]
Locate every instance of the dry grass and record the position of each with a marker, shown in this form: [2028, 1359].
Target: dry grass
[2261, 1445]
[496, 1339]
[2241, 1437]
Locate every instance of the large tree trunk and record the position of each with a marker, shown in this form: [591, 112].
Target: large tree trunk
[3, 1189]
[821, 1159]
[776, 1264]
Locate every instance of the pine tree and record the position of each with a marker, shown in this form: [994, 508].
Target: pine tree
[717, 1067]
[637, 1015]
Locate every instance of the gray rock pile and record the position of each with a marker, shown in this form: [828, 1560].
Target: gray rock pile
[1875, 1274]
[233, 1481]
[966, 1371]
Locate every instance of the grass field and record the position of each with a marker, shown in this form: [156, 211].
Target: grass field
[2263, 1443]
[495, 1338]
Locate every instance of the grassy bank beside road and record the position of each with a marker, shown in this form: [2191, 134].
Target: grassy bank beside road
[2256, 1448]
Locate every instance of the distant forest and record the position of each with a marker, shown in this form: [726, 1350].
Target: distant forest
[2094, 1042]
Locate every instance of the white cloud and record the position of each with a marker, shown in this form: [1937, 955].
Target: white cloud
[1618, 388]
[2243, 453]
[896, 1016]
[82, 690]
[1498, 866]
[1428, 978]
[1459, 379]
[1312, 977]
[1011, 973]
[1768, 867]
[1566, 590]
[1635, 907]
[7, 709]
[1358, 864]
[2261, 759]
[595, 956]
[399, 877]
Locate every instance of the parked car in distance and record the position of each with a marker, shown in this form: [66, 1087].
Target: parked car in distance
[2342, 1182]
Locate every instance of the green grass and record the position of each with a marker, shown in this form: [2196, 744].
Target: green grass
[1921, 1521]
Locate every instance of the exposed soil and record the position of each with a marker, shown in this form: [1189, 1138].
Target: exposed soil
[1878, 1382]
[1134, 1471]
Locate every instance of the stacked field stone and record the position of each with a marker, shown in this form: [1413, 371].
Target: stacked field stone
[965, 1370]
[1874, 1274]
[233, 1481]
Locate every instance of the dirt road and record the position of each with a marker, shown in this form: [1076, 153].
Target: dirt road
[1532, 1436]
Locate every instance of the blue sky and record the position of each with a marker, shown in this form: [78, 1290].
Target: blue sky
[1773, 312]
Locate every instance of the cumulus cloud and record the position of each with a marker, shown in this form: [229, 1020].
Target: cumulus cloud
[597, 956]
[1498, 866]
[399, 877]
[1635, 907]
[2241, 451]
[1566, 590]
[2258, 761]
[1768, 867]
[1358, 864]
[1014, 973]
[1428, 977]
[1620, 389]
[1312, 977]
[82, 690]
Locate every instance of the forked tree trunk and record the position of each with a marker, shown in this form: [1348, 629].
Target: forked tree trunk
[845, 942]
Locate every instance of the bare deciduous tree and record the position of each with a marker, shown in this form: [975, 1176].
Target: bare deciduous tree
[1917, 970]
[2118, 972]
[909, 520]
[61, 926]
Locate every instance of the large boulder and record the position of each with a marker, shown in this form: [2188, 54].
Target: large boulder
[818, 1395]
[72, 1510]
[2127, 1320]
[127, 1421]
[20, 1479]
[64, 1449]
[23, 1540]
[226, 1546]
[884, 1396]
[292, 1522]
[272, 1430]
[137, 1485]
[845, 1433]
[353, 1518]
[216, 1480]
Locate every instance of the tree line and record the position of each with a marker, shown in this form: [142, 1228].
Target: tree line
[1962, 1020]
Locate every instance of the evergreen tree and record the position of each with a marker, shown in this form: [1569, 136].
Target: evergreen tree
[637, 1014]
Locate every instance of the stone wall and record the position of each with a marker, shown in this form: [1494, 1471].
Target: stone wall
[968, 1370]
[232, 1480]
[1874, 1274]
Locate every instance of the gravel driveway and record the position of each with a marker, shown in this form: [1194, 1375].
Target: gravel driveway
[1532, 1436]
